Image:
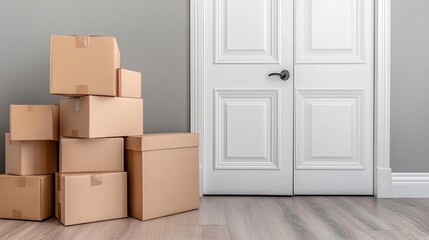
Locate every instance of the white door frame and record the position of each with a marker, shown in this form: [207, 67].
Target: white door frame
[382, 172]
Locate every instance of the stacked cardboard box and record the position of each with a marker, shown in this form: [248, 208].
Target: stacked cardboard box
[106, 105]
[163, 174]
[103, 105]
[26, 190]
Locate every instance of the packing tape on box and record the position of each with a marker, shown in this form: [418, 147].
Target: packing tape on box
[29, 108]
[82, 41]
[16, 214]
[81, 89]
[96, 180]
[20, 182]
[76, 104]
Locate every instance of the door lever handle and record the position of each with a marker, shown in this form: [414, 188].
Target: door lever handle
[284, 75]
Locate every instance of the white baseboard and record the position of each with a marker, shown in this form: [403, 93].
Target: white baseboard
[410, 185]
[384, 182]
[389, 185]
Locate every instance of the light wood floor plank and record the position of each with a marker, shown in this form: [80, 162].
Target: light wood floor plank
[239, 217]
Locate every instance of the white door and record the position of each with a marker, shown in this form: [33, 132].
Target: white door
[248, 116]
[334, 81]
[249, 139]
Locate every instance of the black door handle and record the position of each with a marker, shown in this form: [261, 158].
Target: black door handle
[284, 75]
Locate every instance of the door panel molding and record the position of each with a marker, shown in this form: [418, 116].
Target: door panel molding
[320, 141]
[247, 41]
[342, 44]
[261, 108]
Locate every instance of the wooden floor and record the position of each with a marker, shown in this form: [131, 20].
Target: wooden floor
[254, 218]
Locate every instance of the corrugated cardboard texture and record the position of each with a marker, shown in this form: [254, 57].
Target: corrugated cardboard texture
[99, 117]
[34, 122]
[129, 83]
[83, 198]
[82, 65]
[91, 155]
[29, 197]
[149, 142]
[31, 157]
[163, 182]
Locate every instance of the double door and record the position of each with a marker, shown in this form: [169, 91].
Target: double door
[307, 128]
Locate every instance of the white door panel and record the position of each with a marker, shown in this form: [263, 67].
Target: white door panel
[334, 82]
[249, 116]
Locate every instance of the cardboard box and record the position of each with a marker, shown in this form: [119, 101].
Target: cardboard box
[26, 197]
[97, 117]
[84, 65]
[83, 198]
[33, 122]
[91, 155]
[129, 83]
[163, 174]
[30, 157]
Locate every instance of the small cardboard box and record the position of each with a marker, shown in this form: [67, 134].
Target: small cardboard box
[129, 83]
[91, 155]
[31, 157]
[162, 174]
[84, 65]
[97, 117]
[83, 198]
[26, 197]
[33, 122]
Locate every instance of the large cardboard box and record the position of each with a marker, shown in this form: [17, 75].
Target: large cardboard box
[97, 117]
[129, 83]
[26, 197]
[162, 174]
[83, 198]
[33, 122]
[84, 65]
[30, 157]
[91, 155]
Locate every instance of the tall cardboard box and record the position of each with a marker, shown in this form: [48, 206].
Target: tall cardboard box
[97, 117]
[129, 83]
[84, 65]
[91, 155]
[33, 122]
[163, 174]
[31, 157]
[83, 198]
[26, 197]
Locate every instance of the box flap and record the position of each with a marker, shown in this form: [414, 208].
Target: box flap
[149, 142]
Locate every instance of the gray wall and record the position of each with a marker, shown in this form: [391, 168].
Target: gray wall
[152, 36]
[410, 86]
